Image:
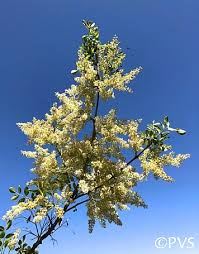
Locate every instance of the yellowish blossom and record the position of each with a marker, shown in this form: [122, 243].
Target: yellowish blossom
[14, 239]
[78, 151]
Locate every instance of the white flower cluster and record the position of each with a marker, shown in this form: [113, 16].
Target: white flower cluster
[84, 186]
[76, 149]
[14, 239]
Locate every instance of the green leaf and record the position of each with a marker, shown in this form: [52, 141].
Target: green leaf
[9, 224]
[19, 189]
[180, 131]
[21, 200]
[26, 191]
[6, 242]
[156, 124]
[9, 235]
[166, 122]
[24, 245]
[2, 234]
[166, 119]
[74, 71]
[171, 129]
[15, 197]
[12, 190]
[1, 228]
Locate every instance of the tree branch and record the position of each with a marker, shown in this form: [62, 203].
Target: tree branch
[80, 203]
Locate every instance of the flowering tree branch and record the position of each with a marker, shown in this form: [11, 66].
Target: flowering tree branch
[72, 160]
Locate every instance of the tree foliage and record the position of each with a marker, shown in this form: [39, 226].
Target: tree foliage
[80, 156]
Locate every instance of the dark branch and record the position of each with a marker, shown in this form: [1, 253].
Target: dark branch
[80, 203]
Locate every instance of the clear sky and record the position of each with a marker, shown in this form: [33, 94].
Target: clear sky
[38, 44]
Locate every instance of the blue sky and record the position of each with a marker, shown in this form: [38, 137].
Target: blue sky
[39, 40]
